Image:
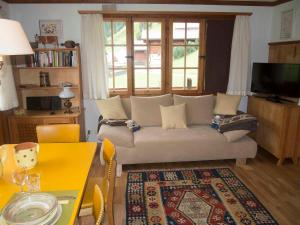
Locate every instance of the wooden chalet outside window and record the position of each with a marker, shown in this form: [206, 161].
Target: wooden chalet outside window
[155, 55]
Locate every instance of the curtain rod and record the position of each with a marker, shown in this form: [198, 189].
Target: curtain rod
[164, 12]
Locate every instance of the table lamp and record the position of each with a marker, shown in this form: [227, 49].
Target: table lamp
[66, 95]
[13, 41]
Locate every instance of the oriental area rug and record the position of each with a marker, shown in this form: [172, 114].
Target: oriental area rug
[213, 196]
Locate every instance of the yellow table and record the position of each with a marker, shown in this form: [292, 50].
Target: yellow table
[61, 167]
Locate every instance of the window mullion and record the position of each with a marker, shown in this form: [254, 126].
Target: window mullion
[202, 55]
[130, 52]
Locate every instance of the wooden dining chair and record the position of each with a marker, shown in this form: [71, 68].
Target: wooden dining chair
[58, 133]
[107, 183]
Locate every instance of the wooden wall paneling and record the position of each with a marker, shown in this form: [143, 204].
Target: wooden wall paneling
[218, 51]
[284, 52]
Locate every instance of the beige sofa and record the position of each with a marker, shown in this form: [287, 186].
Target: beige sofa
[152, 144]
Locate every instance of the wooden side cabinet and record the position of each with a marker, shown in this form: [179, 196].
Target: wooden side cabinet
[279, 127]
[23, 128]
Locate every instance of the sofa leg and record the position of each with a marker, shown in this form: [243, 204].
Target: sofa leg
[241, 162]
[119, 170]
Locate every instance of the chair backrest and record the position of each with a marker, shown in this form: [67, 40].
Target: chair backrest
[109, 150]
[98, 205]
[108, 182]
[58, 133]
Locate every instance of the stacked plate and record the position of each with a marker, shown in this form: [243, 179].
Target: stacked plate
[32, 209]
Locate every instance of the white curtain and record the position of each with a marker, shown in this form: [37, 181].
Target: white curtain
[240, 57]
[8, 93]
[94, 66]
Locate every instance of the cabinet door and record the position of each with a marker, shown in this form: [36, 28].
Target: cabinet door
[23, 129]
[270, 118]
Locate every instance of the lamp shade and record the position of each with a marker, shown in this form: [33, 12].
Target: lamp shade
[13, 40]
[66, 93]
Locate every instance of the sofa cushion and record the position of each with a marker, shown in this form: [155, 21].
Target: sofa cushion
[199, 109]
[196, 143]
[145, 110]
[235, 135]
[193, 134]
[118, 135]
[111, 108]
[173, 116]
[227, 104]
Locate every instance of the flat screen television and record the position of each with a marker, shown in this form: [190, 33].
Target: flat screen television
[276, 79]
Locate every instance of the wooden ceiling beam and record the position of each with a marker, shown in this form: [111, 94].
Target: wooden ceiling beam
[165, 14]
[198, 2]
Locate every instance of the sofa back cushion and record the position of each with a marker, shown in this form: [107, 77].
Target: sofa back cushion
[199, 109]
[127, 106]
[111, 108]
[227, 104]
[146, 110]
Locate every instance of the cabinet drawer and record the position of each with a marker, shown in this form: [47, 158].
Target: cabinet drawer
[58, 120]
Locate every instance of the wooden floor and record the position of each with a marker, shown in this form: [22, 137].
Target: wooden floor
[277, 187]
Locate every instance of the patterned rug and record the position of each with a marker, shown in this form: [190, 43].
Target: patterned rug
[191, 197]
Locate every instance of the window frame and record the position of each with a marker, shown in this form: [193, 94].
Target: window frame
[166, 53]
[151, 91]
[201, 56]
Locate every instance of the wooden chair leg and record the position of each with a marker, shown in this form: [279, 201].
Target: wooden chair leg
[241, 162]
[119, 170]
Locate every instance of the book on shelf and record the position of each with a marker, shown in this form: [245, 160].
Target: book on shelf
[52, 58]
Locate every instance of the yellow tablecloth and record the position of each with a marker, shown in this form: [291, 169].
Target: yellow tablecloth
[61, 167]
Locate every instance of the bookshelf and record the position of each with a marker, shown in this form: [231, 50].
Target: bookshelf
[63, 65]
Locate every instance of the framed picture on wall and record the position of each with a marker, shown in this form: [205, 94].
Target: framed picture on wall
[286, 27]
[51, 28]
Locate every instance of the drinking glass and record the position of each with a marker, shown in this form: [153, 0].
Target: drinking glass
[19, 177]
[33, 182]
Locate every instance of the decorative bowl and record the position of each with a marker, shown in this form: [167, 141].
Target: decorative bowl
[29, 208]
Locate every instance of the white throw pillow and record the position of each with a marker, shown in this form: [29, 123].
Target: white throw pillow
[145, 110]
[235, 135]
[173, 116]
[111, 108]
[227, 104]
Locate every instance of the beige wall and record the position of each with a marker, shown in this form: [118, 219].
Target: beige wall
[276, 20]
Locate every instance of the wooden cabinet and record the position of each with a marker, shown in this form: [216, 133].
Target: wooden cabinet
[4, 134]
[284, 52]
[23, 128]
[279, 127]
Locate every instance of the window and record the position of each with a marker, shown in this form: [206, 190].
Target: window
[151, 56]
[147, 45]
[185, 55]
[116, 53]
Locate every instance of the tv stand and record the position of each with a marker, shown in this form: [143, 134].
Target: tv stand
[279, 127]
[274, 98]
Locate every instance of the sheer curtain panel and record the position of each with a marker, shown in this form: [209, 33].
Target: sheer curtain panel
[94, 66]
[240, 57]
